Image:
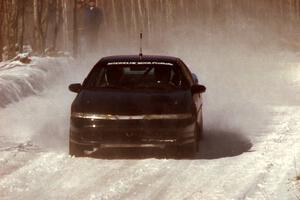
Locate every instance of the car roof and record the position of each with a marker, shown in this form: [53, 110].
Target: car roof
[137, 58]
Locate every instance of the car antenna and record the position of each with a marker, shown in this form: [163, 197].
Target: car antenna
[141, 45]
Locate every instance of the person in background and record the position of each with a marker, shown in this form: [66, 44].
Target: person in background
[93, 19]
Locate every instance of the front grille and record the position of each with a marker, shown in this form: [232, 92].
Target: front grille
[126, 136]
[131, 124]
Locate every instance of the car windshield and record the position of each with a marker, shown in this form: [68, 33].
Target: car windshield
[137, 75]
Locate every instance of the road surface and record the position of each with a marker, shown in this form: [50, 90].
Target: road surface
[251, 148]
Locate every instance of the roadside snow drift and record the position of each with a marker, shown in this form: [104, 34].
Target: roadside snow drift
[18, 80]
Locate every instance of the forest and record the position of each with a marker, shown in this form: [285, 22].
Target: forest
[56, 25]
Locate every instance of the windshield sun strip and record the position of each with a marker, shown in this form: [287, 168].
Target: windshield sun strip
[131, 117]
[140, 63]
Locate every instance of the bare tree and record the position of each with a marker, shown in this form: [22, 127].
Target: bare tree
[1, 27]
[41, 19]
[65, 25]
[10, 25]
[75, 30]
[157, 18]
[58, 16]
[22, 14]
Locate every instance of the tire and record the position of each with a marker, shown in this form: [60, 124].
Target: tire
[171, 151]
[199, 131]
[191, 149]
[76, 150]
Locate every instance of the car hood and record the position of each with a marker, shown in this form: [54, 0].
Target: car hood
[133, 103]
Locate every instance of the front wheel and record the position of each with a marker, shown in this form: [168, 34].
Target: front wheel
[189, 150]
[199, 131]
[76, 150]
[199, 128]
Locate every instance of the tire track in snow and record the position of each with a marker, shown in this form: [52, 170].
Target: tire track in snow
[119, 186]
[13, 161]
[153, 186]
[106, 180]
[281, 153]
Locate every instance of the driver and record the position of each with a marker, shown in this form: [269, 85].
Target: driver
[114, 75]
[162, 74]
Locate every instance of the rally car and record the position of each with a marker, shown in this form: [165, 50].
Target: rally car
[136, 101]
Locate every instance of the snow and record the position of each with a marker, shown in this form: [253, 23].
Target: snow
[18, 79]
[250, 151]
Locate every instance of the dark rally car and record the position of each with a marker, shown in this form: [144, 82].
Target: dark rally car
[136, 102]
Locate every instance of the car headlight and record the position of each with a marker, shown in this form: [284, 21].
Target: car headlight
[131, 117]
[93, 116]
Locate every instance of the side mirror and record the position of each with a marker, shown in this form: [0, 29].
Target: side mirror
[75, 87]
[198, 89]
[195, 78]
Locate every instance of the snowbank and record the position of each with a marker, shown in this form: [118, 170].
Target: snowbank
[18, 80]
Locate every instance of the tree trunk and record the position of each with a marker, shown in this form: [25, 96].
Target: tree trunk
[21, 39]
[37, 26]
[75, 30]
[57, 23]
[12, 26]
[1, 28]
[41, 19]
[65, 25]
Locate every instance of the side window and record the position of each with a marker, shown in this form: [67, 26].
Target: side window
[195, 78]
[94, 78]
[99, 78]
[187, 73]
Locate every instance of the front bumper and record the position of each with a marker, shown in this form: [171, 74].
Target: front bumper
[132, 134]
[92, 144]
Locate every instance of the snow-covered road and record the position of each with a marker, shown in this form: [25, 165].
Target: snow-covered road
[251, 148]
